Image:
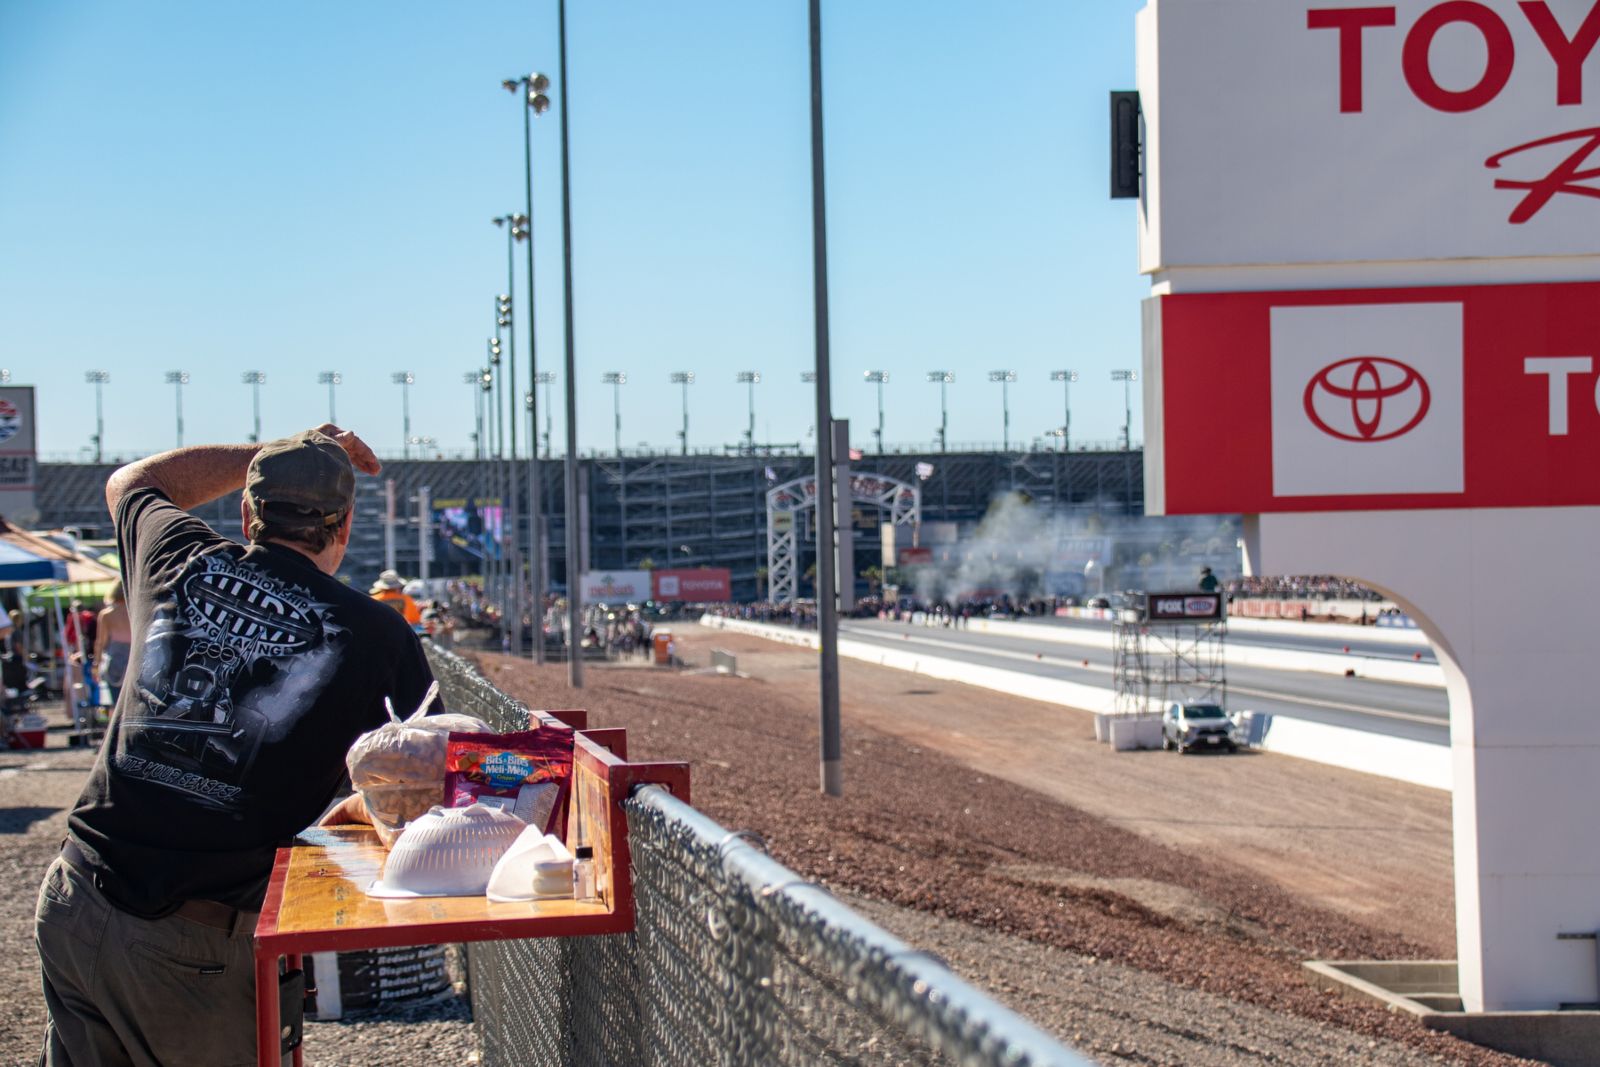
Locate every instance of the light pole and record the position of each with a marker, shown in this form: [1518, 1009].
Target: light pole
[497, 431]
[878, 378]
[422, 442]
[331, 378]
[943, 378]
[485, 435]
[570, 471]
[832, 748]
[178, 379]
[405, 380]
[684, 378]
[516, 227]
[546, 378]
[5, 376]
[1066, 378]
[616, 379]
[809, 377]
[750, 379]
[497, 437]
[255, 380]
[474, 378]
[1005, 378]
[98, 378]
[532, 88]
[503, 320]
[1127, 378]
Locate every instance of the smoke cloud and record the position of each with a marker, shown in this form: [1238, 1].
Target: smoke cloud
[1026, 551]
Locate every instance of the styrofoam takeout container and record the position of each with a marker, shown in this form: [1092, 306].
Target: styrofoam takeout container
[449, 852]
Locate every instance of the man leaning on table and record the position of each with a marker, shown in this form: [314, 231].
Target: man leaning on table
[252, 671]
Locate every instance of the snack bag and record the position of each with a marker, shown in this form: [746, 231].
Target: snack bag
[528, 773]
[399, 768]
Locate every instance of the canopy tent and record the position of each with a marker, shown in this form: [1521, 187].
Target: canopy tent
[18, 566]
[71, 574]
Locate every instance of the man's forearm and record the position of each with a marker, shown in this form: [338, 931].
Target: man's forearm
[188, 476]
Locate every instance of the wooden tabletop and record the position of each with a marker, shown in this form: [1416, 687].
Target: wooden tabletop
[317, 901]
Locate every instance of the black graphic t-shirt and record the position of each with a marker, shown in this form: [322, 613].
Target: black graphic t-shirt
[251, 674]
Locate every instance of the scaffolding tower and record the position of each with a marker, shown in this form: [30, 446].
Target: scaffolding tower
[1161, 661]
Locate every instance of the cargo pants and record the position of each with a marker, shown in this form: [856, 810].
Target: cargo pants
[129, 992]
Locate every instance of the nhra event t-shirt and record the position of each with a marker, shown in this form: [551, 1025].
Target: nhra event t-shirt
[251, 674]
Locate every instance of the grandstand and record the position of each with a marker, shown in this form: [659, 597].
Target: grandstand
[664, 510]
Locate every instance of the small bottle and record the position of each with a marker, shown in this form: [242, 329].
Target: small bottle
[583, 885]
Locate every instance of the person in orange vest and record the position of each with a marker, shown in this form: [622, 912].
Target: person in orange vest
[390, 589]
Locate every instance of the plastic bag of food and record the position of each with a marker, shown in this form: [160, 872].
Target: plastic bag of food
[528, 773]
[399, 768]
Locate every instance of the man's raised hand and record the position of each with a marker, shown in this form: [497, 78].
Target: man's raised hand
[361, 455]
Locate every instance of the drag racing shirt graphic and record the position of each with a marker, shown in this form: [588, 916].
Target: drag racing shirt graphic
[228, 660]
[251, 674]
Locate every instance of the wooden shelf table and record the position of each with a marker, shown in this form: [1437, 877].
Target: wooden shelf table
[317, 902]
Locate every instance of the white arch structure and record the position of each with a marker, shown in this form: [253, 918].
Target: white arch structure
[901, 503]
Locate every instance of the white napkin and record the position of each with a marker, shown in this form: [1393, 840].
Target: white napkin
[536, 866]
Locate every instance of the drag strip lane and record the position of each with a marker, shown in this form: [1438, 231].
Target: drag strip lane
[1395, 709]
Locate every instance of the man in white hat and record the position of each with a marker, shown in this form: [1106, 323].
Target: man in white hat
[390, 589]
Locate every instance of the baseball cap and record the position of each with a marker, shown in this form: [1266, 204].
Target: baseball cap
[305, 480]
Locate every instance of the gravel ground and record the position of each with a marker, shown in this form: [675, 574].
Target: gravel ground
[1371, 848]
[1122, 943]
[1115, 1013]
[922, 831]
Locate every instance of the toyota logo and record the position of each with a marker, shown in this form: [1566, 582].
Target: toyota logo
[1367, 398]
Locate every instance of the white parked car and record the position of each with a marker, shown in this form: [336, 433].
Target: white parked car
[1187, 727]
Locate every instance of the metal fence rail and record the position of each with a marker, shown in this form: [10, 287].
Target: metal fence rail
[735, 960]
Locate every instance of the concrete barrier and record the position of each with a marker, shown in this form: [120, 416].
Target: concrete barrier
[1129, 732]
[1017, 683]
[1278, 659]
[787, 635]
[1403, 759]
[1408, 637]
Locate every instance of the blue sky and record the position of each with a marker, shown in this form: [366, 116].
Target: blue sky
[300, 186]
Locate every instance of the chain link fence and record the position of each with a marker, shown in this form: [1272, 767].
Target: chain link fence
[734, 960]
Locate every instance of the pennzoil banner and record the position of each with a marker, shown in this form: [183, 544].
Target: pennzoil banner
[615, 587]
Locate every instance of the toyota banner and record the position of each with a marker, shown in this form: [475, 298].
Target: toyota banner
[698, 585]
[1481, 396]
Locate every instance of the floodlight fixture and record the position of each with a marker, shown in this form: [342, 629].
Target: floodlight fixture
[750, 379]
[98, 379]
[178, 379]
[943, 379]
[1127, 378]
[684, 378]
[616, 379]
[1005, 378]
[330, 378]
[1066, 378]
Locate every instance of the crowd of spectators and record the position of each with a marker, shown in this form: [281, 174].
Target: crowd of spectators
[948, 612]
[1301, 587]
